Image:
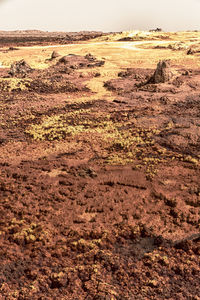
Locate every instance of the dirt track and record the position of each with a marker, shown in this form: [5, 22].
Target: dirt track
[99, 177]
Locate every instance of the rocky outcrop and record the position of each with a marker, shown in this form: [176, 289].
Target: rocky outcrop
[54, 55]
[20, 68]
[162, 73]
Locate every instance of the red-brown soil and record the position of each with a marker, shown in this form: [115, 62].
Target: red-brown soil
[99, 196]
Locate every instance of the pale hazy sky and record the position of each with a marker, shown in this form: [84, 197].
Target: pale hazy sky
[103, 15]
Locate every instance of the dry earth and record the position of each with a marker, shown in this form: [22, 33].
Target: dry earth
[99, 169]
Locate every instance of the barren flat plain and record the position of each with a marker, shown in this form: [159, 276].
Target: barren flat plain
[100, 166]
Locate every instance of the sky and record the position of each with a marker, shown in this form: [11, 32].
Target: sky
[100, 15]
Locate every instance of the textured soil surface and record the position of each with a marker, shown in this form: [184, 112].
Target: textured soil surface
[99, 174]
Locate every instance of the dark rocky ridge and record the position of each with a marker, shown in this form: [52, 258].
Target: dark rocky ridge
[32, 37]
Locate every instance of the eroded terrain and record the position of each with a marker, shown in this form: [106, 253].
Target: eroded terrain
[99, 177]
